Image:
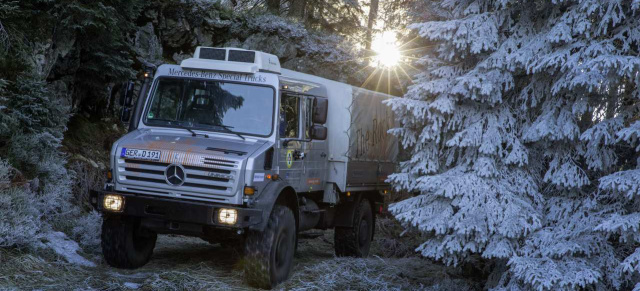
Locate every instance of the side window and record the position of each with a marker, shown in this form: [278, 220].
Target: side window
[289, 116]
[307, 106]
[165, 103]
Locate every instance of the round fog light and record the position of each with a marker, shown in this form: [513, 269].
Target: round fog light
[228, 216]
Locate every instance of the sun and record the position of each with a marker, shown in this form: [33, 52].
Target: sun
[387, 52]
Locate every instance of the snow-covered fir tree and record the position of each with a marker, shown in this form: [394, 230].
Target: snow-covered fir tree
[523, 134]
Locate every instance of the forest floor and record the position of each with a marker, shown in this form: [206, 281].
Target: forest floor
[183, 263]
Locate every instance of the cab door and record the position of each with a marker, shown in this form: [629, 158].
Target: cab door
[290, 151]
[314, 151]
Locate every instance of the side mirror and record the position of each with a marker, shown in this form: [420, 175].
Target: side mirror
[320, 108]
[318, 132]
[125, 115]
[126, 95]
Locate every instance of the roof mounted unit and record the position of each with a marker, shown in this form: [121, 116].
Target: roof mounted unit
[232, 60]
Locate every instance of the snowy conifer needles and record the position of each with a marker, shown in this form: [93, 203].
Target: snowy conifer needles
[523, 133]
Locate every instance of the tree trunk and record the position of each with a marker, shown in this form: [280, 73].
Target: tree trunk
[373, 15]
[297, 9]
[274, 6]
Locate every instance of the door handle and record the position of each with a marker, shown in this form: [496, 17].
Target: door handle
[323, 155]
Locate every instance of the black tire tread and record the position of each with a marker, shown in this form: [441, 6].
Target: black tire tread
[258, 249]
[116, 250]
[345, 239]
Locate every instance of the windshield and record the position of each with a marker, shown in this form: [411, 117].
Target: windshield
[212, 105]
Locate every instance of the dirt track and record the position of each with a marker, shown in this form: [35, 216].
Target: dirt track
[182, 263]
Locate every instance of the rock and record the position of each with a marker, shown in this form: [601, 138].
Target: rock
[64, 43]
[213, 20]
[151, 14]
[203, 38]
[60, 88]
[233, 43]
[271, 44]
[48, 52]
[177, 33]
[179, 57]
[39, 58]
[147, 44]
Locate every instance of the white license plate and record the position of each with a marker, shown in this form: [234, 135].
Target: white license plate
[140, 154]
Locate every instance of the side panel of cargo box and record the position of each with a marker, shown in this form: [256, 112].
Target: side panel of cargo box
[372, 151]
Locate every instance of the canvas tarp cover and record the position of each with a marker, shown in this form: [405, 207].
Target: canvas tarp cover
[371, 120]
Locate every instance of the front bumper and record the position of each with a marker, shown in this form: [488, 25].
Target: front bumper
[176, 211]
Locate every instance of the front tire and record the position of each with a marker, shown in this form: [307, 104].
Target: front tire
[124, 244]
[269, 254]
[356, 241]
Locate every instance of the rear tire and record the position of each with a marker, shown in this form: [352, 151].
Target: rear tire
[269, 254]
[356, 241]
[124, 244]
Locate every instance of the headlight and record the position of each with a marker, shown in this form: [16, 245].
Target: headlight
[113, 202]
[228, 216]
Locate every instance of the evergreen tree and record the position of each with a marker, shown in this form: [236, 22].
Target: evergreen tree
[519, 125]
[35, 186]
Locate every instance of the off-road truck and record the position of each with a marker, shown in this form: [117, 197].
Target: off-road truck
[229, 147]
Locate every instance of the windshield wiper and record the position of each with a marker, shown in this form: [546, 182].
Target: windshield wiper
[177, 124]
[193, 133]
[227, 128]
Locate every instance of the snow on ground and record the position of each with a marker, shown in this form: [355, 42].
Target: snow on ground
[131, 285]
[68, 249]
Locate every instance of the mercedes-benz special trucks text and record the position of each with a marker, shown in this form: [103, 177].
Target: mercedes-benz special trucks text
[229, 147]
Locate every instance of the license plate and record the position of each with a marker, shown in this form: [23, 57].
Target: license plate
[140, 154]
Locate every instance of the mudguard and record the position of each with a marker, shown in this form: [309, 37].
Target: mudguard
[346, 209]
[267, 198]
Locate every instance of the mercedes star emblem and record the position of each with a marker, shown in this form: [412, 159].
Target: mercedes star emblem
[175, 175]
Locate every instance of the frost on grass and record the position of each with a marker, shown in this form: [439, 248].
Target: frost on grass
[373, 274]
[394, 241]
[19, 217]
[87, 230]
[68, 249]
[349, 273]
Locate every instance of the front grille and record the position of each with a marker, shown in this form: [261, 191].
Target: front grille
[207, 178]
[218, 162]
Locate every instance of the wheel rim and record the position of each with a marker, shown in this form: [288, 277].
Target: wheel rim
[281, 250]
[363, 238]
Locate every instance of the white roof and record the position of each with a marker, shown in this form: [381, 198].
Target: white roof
[232, 60]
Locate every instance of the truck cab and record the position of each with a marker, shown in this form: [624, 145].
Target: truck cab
[229, 147]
